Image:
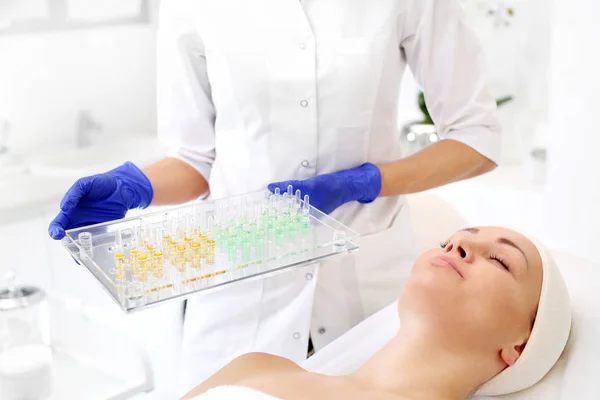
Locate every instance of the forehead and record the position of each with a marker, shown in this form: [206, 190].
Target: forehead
[493, 233]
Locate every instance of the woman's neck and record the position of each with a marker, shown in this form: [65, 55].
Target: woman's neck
[414, 367]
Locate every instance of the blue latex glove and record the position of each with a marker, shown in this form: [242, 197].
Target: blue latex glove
[329, 191]
[102, 198]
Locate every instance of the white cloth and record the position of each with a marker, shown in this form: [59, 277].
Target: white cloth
[252, 92]
[234, 393]
[548, 337]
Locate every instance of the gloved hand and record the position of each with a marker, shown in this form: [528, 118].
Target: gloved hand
[329, 191]
[102, 198]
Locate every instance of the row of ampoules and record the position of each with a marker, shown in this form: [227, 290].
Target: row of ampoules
[274, 206]
[276, 210]
[288, 203]
[148, 254]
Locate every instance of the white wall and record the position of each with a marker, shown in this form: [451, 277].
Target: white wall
[517, 57]
[46, 78]
[573, 188]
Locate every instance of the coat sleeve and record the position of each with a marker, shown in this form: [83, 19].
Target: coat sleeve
[448, 63]
[185, 111]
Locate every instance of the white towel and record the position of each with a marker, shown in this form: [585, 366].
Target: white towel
[234, 393]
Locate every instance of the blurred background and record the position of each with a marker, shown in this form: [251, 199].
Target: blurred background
[78, 97]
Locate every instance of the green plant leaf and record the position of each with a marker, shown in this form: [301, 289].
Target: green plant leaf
[427, 117]
[504, 100]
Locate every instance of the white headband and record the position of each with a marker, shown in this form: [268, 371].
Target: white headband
[548, 337]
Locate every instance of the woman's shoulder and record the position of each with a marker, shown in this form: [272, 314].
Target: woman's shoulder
[246, 368]
[259, 362]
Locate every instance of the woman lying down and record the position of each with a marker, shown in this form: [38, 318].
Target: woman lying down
[486, 313]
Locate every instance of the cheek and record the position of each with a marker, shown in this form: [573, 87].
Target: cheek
[484, 311]
[495, 306]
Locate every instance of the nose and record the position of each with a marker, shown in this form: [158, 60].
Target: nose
[461, 247]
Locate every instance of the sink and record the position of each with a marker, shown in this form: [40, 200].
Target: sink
[76, 163]
[40, 179]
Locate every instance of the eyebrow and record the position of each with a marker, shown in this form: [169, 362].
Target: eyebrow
[501, 240]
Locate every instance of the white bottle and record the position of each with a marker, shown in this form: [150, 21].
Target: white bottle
[25, 348]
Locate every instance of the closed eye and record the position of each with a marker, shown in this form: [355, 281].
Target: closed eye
[501, 261]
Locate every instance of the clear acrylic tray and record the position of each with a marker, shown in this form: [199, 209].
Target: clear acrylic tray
[165, 255]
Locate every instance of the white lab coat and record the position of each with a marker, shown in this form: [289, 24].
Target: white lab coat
[253, 92]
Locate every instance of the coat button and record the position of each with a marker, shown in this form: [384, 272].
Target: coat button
[322, 330]
[309, 276]
[304, 103]
[302, 46]
[297, 335]
[305, 163]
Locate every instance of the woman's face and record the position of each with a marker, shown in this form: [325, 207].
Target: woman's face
[478, 292]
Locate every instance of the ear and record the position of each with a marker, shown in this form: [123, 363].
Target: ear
[510, 354]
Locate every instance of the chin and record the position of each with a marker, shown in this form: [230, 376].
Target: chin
[434, 282]
[430, 298]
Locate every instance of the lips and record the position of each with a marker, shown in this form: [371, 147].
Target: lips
[446, 262]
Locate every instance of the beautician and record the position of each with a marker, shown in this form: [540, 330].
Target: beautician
[255, 94]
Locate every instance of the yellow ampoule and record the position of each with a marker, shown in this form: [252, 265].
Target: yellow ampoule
[196, 255]
[210, 258]
[157, 264]
[119, 266]
[142, 267]
[166, 239]
[180, 258]
[210, 246]
[120, 274]
[133, 259]
[173, 250]
[119, 260]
